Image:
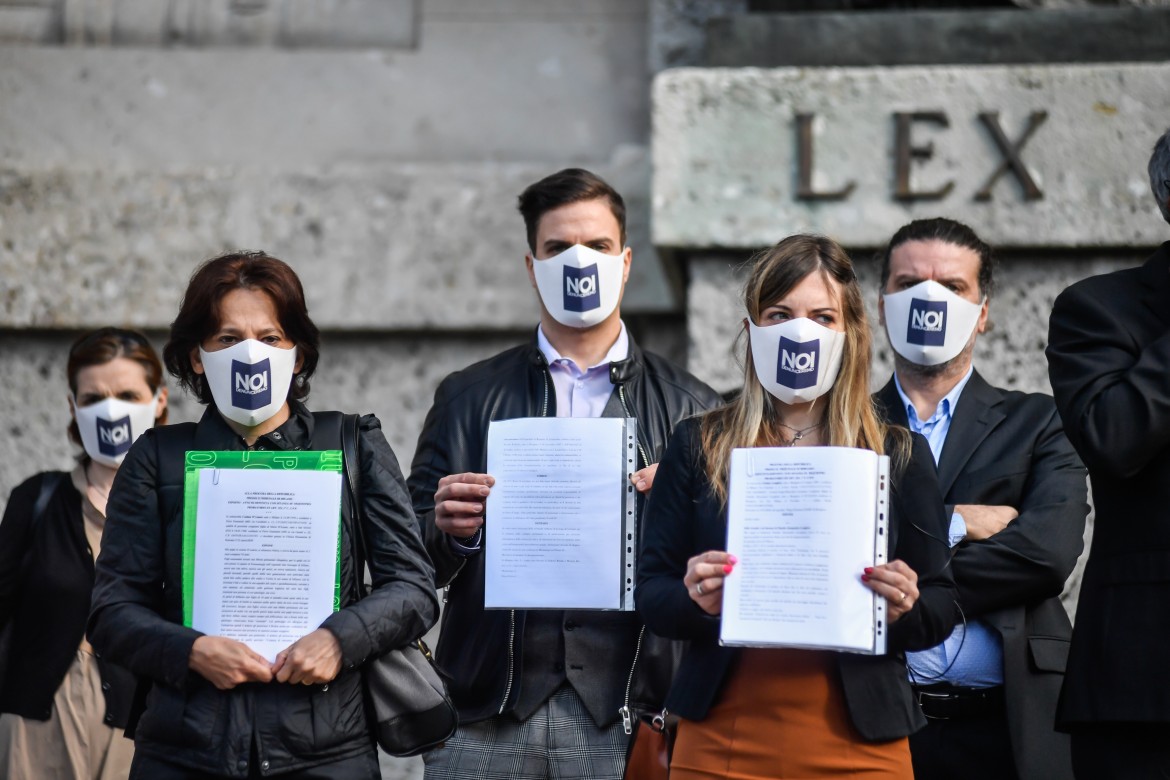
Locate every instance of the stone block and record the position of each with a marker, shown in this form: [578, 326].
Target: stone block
[398, 248]
[727, 153]
[989, 36]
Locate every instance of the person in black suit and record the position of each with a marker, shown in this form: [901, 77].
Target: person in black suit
[1015, 492]
[1109, 362]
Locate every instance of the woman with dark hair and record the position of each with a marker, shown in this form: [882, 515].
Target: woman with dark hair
[787, 713]
[215, 708]
[63, 707]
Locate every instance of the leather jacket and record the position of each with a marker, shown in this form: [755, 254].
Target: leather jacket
[478, 648]
[137, 617]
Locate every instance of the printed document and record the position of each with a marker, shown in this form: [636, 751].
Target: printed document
[559, 524]
[264, 563]
[804, 523]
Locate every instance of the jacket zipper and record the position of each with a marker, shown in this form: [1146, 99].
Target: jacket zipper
[512, 615]
[511, 660]
[627, 715]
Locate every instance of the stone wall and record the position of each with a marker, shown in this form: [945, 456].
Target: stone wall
[387, 177]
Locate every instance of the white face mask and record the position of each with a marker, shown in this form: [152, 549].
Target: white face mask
[580, 287]
[110, 426]
[797, 361]
[928, 324]
[249, 380]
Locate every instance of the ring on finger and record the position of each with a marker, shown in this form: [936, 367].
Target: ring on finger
[699, 588]
[901, 596]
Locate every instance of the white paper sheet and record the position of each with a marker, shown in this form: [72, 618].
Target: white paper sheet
[804, 523]
[265, 554]
[554, 526]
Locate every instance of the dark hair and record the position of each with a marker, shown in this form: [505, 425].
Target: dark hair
[951, 232]
[1159, 170]
[105, 345]
[199, 315]
[572, 185]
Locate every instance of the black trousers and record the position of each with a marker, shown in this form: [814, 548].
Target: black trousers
[977, 748]
[362, 767]
[1121, 751]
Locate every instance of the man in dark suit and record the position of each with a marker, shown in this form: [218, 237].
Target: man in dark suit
[546, 693]
[1109, 361]
[1016, 493]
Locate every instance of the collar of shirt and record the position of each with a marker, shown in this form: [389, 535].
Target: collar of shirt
[936, 427]
[619, 351]
[582, 393]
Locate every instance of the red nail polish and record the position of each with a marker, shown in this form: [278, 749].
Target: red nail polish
[868, 570]
[865, 578]
[733, 559]
[727, 569]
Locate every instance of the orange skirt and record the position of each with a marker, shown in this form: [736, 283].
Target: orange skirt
[782, 715]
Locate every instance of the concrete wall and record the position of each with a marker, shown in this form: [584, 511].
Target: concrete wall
[388, 178]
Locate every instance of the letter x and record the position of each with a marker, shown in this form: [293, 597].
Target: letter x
[1011, 154]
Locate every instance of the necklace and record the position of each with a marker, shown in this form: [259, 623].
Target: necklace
[91, 485]
[798, 433]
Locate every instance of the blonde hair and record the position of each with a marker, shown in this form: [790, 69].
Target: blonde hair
[750, 420]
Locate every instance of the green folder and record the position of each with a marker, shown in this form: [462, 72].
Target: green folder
[305, 460]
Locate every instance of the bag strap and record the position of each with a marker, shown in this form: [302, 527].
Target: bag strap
[49, 484]
[351, 462]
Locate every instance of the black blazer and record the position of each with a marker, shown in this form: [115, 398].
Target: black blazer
[1109, 361]
[684, 518]
[46, 600]
[1008, 448]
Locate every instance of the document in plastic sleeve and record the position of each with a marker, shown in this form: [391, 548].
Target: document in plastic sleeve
[560, 527]
[804, 522]
[261, 532]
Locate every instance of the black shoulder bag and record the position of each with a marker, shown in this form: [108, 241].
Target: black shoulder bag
[410, 711]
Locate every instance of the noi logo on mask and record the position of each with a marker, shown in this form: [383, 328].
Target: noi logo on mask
[113, 436]
[797, 364]
[928, 323]
[581, 293]
[250, 386]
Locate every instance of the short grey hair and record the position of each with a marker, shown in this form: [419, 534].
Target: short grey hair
[1160, 174]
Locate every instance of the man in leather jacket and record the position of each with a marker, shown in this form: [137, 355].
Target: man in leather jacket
[539, 692]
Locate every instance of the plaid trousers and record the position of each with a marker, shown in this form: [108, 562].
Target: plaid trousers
[559, 742]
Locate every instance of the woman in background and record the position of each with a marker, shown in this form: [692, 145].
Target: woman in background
[63, 707]
[793, 713]
[216, 708]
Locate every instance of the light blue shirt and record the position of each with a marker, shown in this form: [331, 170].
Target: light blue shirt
[582, 392]
[972, 656]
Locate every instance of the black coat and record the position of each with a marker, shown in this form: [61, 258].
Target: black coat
[1008, 448]
[48, 606]
[474, 645]
[137, 609]
[1109, 362]
[685, 517]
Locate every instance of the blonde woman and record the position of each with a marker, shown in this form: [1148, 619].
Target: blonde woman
[780, 713]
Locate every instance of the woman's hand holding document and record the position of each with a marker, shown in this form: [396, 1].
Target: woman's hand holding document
[808, 525]
[561, 525]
